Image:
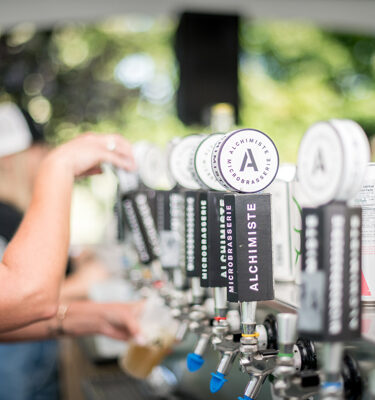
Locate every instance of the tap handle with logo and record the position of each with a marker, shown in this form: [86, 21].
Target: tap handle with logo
[332, 161]
[246, 162]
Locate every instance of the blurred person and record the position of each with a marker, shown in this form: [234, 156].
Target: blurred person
[29, 370]
[34, 261]
[17, 172]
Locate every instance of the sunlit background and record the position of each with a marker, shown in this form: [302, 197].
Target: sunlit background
[120, 75]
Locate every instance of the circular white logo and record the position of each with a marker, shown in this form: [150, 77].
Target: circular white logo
[152, 168]
[332, 160]
[320, 162]
[245, 161]
[180, 161]
[202, 163]
[357, 156]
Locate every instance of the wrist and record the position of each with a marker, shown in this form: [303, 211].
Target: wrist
[84, 318]
[57, 160]
[55, 178]
[60, 316]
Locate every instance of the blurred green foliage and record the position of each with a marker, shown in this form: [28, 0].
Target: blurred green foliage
[291, 75]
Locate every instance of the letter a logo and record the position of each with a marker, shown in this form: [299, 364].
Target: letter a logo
[318, 162]
[248, 161]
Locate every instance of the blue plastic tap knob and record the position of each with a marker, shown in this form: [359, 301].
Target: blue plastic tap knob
[217, 381]
[332, 384]
[194, 362]
[244, 398]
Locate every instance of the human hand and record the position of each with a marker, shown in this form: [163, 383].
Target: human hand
[84, 154]
[121, 320]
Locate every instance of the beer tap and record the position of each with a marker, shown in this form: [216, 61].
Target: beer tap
[199, 318]
[135, 208]
[330, 309]
[170, 222]
[200, 324]
[133, 211]
[266, 335]
[226, 342]
[295, 375]
[260, 344]
[212, 262]
[247, 161]
[184, 195]
[331, 272]
[332, 386]
[223, 339]
[342, 377]
[257, 363]
[222, 119]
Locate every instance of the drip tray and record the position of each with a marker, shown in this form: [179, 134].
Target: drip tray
[115, 387]
[118, 386]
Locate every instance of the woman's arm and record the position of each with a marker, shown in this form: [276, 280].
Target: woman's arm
[116, 320]
[34, 262]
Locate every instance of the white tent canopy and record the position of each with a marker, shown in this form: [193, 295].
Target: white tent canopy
[347, 15]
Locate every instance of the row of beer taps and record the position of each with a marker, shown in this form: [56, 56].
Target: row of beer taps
[299, 363]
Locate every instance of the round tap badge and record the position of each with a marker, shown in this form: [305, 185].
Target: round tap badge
[180, 161]
[245, 161]
[152, 168]
[202, 163]
[320, 163]
[332, 160]
[357, 151]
